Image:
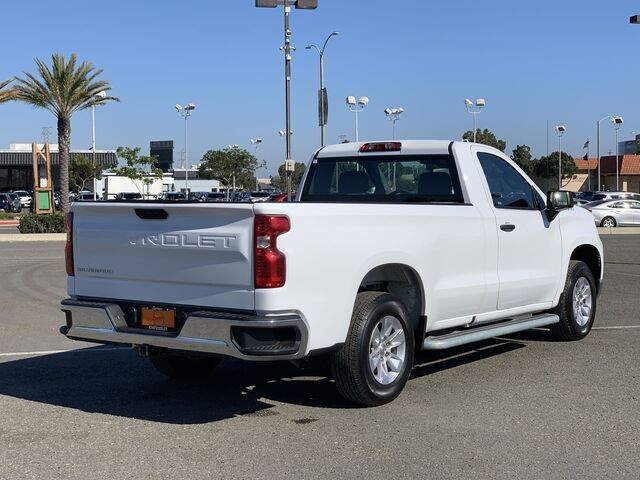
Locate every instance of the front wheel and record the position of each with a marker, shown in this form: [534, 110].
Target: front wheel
[375, 362]
[181, 367]
[608, 222]
[577, 306]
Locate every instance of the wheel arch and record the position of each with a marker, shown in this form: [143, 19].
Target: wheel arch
[402, 281]
[591, 256]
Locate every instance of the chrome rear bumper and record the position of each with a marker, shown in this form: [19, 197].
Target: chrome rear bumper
[203, 331]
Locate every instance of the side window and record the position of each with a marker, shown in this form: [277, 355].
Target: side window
[508, 188]
[635, 205]
[617, 205]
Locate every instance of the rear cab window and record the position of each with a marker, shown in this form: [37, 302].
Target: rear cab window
[384, 179]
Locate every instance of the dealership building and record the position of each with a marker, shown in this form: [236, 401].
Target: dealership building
[16, 164]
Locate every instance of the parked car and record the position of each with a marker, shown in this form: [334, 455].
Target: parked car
[173, 196]
[239, 196]
[459, 247]
[6, 203]
[615, 213]
[213, 197]
[598, 196]
[277, 197]
[85, 197]
[255, 197]
[25, 198]
[129, 196]
[17, 205]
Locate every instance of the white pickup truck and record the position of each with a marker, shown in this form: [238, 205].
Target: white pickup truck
[389, 248]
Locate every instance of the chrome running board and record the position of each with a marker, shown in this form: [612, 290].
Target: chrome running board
[476, 334]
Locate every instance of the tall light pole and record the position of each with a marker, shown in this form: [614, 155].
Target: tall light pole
[617, 123]
[323, 100]
[185, 112]
[256, 143]
[560, 130]
[286, 49]
[96, 100]
[393, 114]
[598, 145]
[474, 109]
[356, 107]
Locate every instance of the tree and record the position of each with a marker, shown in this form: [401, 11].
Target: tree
[81, 170]
[547, 167]
[280, 182]
[229, 164]
[63, 88]
[6, 94]
[522, 156]
[137, 168]
[486, 137]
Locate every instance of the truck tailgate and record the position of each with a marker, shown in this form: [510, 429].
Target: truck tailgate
[164, 253]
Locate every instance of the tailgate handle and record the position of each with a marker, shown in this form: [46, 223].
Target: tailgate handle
[151, 213]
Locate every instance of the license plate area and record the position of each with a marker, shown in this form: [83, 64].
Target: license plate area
[158, 318]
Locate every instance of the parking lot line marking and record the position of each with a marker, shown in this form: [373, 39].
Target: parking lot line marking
[617, 327]
[53, 352]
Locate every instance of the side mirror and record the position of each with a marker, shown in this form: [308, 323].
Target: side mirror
[557, 201]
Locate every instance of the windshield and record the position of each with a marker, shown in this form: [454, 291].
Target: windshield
[383, 179]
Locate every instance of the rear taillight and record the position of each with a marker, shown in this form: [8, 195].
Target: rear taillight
[270, 266]
[68, 248]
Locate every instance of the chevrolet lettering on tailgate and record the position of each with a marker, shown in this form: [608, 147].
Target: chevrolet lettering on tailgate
[184, 240]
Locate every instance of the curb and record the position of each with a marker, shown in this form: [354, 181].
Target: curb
[9, 223]
[619, 230]
[34, 237]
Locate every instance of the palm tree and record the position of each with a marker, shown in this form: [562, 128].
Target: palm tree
[6, 94]
[63, 89]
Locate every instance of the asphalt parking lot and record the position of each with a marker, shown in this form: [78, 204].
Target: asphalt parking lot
[523, 407]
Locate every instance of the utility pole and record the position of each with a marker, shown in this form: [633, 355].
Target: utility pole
[287, 48]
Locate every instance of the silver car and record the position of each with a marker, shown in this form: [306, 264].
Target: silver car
[612, 213]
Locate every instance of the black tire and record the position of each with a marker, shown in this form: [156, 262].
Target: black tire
[570, 327]
[350, 365]
[608, 219]
[182, 367]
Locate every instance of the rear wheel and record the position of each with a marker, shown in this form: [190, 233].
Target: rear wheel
[577, 306]
[182, 367]
[608, 222]
[373, 366]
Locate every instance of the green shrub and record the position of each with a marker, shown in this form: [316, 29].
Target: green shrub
[32, 223]
[7, 216]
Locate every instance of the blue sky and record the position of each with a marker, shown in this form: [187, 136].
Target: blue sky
[565, 62]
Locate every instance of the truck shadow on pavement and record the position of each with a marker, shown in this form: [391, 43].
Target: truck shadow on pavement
[118, 382]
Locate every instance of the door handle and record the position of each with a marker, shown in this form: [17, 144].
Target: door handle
[507, 227]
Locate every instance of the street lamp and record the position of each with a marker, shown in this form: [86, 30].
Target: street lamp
[185, 112]
[323, 101]
[560, 130]
[393, 114]
[256, 143]
[598, 143]
[356, 107]
[617, 123]
[97, 98]
[474, 109]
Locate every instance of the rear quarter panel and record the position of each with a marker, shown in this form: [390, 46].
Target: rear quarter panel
[331, 247]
